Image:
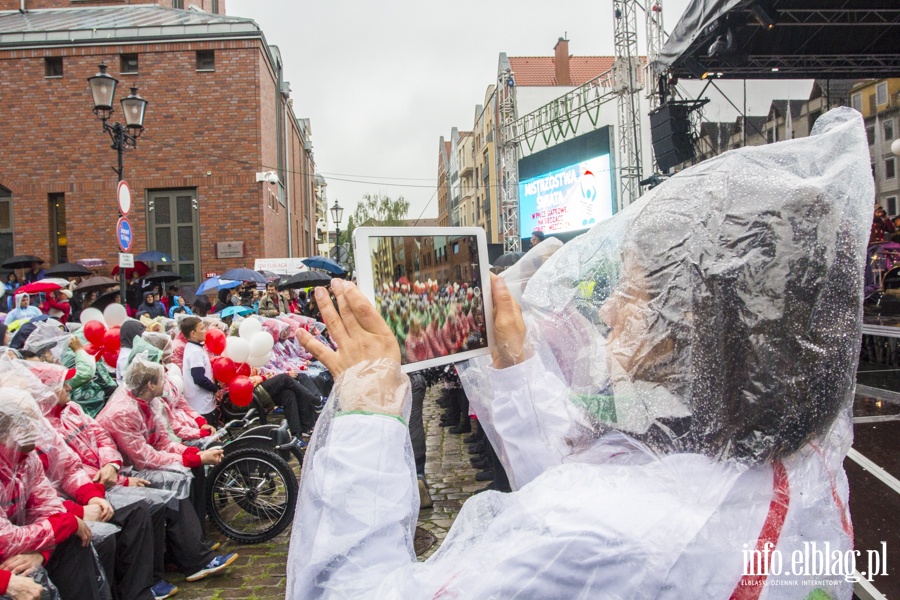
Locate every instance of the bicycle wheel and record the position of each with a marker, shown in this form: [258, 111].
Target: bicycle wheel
[251, 495]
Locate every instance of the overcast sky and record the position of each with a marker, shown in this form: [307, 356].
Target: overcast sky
[382, 81]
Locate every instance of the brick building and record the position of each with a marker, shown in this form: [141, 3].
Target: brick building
[219, 113]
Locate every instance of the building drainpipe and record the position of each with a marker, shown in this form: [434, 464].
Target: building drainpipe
[22, 7]
[287, 181]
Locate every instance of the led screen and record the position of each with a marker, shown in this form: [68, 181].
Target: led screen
[569, 198]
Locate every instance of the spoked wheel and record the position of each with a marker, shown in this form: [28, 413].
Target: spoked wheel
[251, 496]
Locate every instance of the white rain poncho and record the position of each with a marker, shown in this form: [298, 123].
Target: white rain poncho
[686, 403]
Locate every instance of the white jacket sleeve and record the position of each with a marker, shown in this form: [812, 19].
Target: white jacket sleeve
[527, 418]
[357, 510]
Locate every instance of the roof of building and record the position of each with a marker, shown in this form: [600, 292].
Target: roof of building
[541, 70]
[780, 106]
[92, 25]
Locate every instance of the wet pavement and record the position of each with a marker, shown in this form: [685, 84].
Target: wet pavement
[259, 572]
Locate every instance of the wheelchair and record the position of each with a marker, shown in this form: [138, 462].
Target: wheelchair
[252, 494]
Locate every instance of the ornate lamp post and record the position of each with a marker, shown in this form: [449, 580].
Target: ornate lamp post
[337, 212]
[103, 91]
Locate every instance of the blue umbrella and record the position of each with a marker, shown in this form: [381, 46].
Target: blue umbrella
[324, 263]
[244, 275]
[235, 310]
[214, 283]
[153, 256]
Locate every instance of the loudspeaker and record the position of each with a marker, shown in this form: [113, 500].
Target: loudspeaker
[670, 131]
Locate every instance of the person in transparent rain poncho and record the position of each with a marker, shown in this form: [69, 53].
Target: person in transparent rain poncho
[671, 403]
[36, 529]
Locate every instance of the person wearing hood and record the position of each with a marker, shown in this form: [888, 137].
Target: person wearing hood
[129, 330]
[35, 526]
[696, 401]
[179, 307]
[227, 298]
[57, 305]
[23, 309]
[151, 307]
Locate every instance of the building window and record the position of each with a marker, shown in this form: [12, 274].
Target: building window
[206, 60]
[58, 241]
[890, 168]
[177, 3]
[870, 134]
[6, 224]
[53, 66]
[891, 204]
[214, 6]
[128, 63]
[889, 130]
[881, 93]
[856, 102]
[173, 227]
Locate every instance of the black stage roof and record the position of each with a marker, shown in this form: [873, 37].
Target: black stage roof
[786, 39]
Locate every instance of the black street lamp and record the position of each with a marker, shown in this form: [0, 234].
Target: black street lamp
[336, 213]
[103, 91]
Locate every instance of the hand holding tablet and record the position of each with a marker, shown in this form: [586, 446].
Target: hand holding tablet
[431, 285]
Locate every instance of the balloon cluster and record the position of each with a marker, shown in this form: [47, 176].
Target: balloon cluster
[101, 330]
[252, 347]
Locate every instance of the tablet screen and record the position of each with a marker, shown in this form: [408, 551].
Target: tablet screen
[429, 288]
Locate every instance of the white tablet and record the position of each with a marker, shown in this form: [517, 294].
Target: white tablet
[433, 288]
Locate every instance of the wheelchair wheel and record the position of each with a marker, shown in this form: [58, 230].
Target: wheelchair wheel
[251, 495]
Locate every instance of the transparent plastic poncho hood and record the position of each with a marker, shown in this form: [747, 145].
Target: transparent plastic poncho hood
[719, 314]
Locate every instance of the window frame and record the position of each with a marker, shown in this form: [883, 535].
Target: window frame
[53, 60]
[206, 54]
[879, 88]
[888, 138]
[892, 161]
[891, 201]
[856, 102]
[122, 61]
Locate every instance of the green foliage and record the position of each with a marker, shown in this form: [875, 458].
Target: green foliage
[380, 210]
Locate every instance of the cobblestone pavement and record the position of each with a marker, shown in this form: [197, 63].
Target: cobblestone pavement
[259, 572]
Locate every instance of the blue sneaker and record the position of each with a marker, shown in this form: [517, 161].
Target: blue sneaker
[162, 589]
[216, 565]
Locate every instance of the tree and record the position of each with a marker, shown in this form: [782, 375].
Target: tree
[379, 210]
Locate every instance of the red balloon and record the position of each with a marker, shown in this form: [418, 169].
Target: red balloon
[111, 340]
[110, 358]
[94, 332]
[215, 341]
[224, 369]
[241, 391]
[243, 369]
[92, 349]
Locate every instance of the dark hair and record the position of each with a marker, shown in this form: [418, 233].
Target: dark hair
[188, 325]
[538, 234]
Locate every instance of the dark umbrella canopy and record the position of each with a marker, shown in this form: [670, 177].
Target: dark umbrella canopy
[67, 270]
[21, 262]
[305, 279]
[95, 284]
[508, 259]
[188, 292]
[105, 300]
[325, 263]
[162, 276]
[243, 275]
[154, 256]
[269, 275]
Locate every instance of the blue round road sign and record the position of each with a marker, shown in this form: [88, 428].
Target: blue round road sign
[124, 234]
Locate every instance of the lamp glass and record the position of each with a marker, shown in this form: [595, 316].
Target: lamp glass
[133, 106]
[103, 89]
[337, 212]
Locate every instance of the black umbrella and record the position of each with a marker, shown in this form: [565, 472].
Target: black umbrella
[21, 262]
[189, 293]
[305, 279]
[508, 259]
[162, 276]
[242, 274]
[105, 299]
[95, 284]
[67, 270]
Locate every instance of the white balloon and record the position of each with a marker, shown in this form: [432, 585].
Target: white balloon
[261, 343]
[92, 314]
[895, 147]
[237, 349]
[259, 361]
[248, 328]
[114, 314]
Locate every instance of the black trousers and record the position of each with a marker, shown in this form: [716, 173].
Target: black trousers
[296, 399]
[198, 496]
[73, 570]
[132, 576]
[183, 539]
[416, 424]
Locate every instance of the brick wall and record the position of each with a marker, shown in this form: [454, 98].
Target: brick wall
[203, 131]
[206, 5]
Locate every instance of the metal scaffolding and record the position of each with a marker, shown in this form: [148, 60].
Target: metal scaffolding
[628, 85]
[509, 161]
